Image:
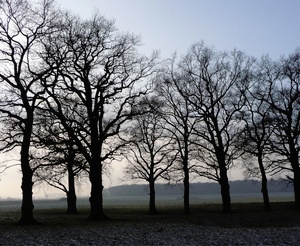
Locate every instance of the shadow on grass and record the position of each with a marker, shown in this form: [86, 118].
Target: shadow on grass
[247, 215]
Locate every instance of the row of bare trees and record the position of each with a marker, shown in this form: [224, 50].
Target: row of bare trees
[216, 110]
[76, 95]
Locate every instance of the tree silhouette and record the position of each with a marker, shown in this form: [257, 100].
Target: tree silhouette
[22, 27]
[57, 156]
[215, 82]
[151, 153]
[180, 123]
[282, 79]
[101, 70]
[255, 137]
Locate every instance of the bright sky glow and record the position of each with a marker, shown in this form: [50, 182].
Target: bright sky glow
[257, 27]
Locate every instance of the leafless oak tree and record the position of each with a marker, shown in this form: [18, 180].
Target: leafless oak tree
[283, 95]
[152, 152]
[180, 123]
[100, 69]
[22, 27]
[214, 86]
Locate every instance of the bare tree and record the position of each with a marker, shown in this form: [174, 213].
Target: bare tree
[255, 138]
[101, 69]
[282, 79]
[215, 82]
[151, 153]
[180, 123]
[59, 163]
[22, 26]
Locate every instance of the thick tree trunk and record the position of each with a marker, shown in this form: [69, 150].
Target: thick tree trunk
[264, 184]
[71, 195]
[264, 191]
[96, 198]
[223, 179]
[225, 190]
[152, 207]
[27, 217]
[71, 203]
[225, 193]
[297, 191]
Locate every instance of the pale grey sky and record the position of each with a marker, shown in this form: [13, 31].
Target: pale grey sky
[257, 27]
[254, 26]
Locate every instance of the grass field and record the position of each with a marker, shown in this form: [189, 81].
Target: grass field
[245, 214]
[130, 224]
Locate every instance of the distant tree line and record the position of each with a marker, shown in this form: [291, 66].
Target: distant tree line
[197, 189]
[76, 95]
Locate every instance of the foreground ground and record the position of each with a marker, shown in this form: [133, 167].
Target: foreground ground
[130, 225]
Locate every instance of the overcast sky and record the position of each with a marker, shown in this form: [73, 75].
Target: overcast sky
[257, 27]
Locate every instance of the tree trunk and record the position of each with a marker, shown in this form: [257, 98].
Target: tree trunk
[225, 190]
[27, 217]
[297, 190]
[186, 196]
[152, 207]
[264, 184]
[96, 198]
[186, 180]
[223, 179]
[264, 191]
[71, 195]
[296, 171]
[71, 203]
